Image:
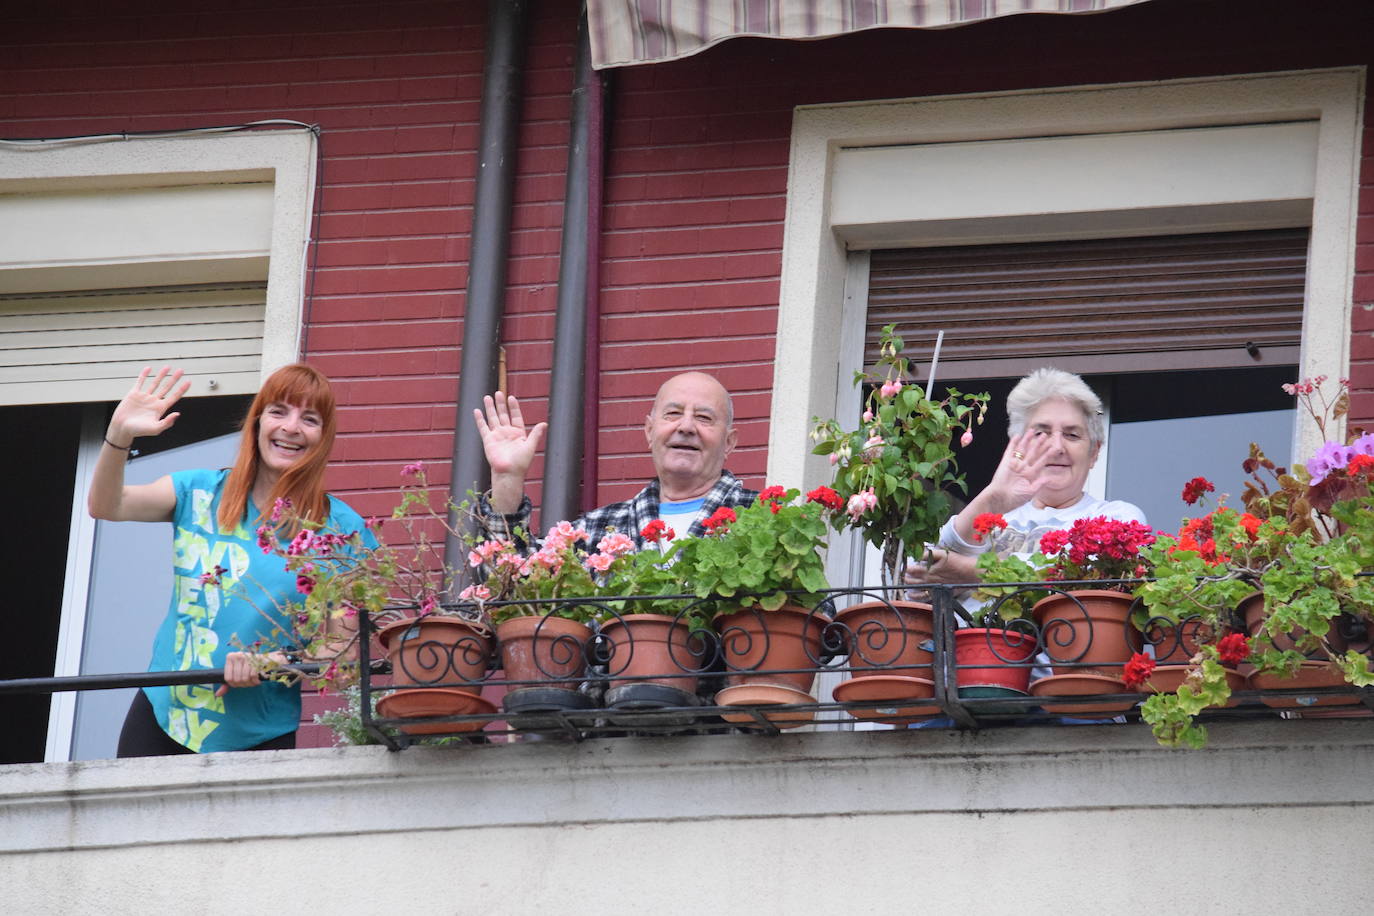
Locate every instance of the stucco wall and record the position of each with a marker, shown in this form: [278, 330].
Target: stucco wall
[1035, 820]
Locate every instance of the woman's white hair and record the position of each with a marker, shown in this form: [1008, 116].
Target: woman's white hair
[1048, 384]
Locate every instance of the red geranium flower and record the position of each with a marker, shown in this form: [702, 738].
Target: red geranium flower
[1193, 489]
[721, 518]
[1137, 671]
[1233, 648]
[770, 497]
[1360, 464]
[1251, 524]
[826, 497]
[656, 531]
[986, 524]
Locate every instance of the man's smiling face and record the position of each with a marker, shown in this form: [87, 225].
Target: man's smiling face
[689, 432]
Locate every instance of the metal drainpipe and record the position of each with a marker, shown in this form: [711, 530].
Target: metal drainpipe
[596, 176]
[568, 399]
[502, 80]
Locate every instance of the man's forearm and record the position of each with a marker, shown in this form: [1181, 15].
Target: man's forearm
[507, 492]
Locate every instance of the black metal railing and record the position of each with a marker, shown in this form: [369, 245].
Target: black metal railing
[908, 657]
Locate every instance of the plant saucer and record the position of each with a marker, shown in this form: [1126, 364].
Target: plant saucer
[431, 702]
[1082, 685]
[894, 693]
[766, 695]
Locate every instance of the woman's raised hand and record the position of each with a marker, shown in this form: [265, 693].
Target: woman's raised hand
[508, 445]
[1022, 470]
[144, 410]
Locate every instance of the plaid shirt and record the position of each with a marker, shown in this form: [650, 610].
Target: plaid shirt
[627, 517]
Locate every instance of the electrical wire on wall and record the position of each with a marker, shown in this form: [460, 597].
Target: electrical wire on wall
[38, 144]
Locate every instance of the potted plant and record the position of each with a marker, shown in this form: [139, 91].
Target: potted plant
[759, 570]
[1086, 632]
[1296, 563]
[993, 656]
[893, 477]
[439, 652]
[653, 640]
[542, 605]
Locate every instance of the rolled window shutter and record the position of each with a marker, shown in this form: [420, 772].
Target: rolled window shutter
[1210, 301]
[89, 346]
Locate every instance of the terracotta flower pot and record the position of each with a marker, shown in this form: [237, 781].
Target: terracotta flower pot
[1088, 632]
[434, 650]
[542, 649]
[889, 638]
[1251, 610]
[1168, 678]
[649, 649]
[756, 643]
[1312, 675]
[1176, 644]
[437, 651]
[993, 658]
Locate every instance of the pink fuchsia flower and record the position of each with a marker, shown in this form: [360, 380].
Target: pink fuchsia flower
[475, 593]
[1137, 671]
[599, 562]
[967, 438]
[834, 458]
[861, 502]
[890, 388]
[868, 416]
[413, 470]
[616, 545]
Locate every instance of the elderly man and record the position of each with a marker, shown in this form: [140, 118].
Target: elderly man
[690, 430]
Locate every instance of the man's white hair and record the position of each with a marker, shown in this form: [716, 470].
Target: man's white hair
[1047, 384]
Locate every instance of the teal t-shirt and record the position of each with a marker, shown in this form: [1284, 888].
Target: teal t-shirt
[206, 622]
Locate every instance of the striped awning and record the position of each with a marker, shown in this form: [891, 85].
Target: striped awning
[627, 32]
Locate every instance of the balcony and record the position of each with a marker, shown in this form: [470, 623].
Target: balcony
[682, 810]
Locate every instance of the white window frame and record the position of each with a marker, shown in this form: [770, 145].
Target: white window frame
[286, 157]
[811, 376]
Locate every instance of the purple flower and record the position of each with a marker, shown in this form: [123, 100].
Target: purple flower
[1332, 456]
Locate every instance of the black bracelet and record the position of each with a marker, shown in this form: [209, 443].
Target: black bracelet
[122, 448]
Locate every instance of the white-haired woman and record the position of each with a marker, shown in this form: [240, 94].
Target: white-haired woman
[1055, 433]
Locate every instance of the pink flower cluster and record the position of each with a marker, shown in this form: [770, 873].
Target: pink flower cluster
[608, 548]
[890, 388]
[861, 502]
[485, 551]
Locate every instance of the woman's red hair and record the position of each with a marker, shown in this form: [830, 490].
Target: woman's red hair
[298, 385]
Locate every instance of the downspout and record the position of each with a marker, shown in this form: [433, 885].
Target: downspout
[568, 397]
[502, 79]
[596, 177]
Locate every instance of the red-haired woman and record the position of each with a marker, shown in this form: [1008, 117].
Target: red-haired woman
[227, 593]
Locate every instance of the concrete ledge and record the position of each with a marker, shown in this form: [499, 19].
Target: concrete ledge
[363, 791]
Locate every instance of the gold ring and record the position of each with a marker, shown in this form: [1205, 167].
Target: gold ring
[1017, 455]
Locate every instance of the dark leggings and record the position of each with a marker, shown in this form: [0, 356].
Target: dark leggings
[143, 737]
